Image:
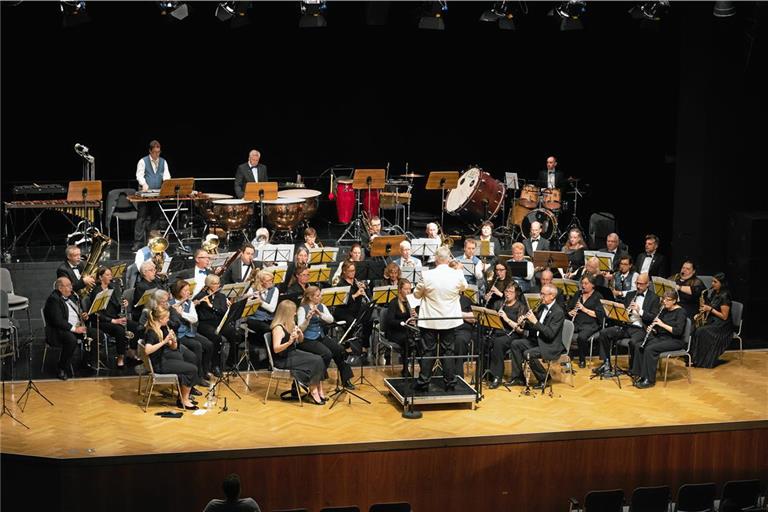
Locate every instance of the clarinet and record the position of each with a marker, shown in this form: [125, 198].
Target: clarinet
[651, 329]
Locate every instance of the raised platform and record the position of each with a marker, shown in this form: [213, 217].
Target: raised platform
[435, 394]
[511, 452]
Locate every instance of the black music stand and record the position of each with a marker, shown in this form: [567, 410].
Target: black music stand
[100, 304]
[367, 310]
[617, 312]
[409, 412]
[7, 411]
[31, 386]
[175, 188]
[487, 319]
[442, 180]
[550, 259]
[261, 191]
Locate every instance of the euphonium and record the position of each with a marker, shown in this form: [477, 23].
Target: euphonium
[211, 244]
[157, 247]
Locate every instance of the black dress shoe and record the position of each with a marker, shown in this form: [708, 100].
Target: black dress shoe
[539, 385]
[582, 364]
[600, 369]
[421, 385]
[195, 392]
[182, 406]
[349, 385]
[644, 384]
[516, 382]
[61, 374]
[495, 383]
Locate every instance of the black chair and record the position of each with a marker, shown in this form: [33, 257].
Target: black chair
[340, 509]
[390, 507]
[600, 501]
[696, 498]
[650, 499]
[744, 492]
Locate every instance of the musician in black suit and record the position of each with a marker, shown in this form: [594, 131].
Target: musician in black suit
[651, 261]
[64, 323]
[613, 246]
[147, 281]
[199, 272]
[551, 177]
[250, 172]
[242, 268]
[643, 306]
[545, 329]
[73, 269]
[535, 242]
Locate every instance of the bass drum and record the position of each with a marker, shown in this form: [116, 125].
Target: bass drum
[477, 197]
[547, 220]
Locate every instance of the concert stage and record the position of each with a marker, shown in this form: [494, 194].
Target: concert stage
[95, 449]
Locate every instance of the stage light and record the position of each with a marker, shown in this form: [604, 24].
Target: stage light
[570, 14]
[502, 13]
[234, 12]
[724, 9]
[312, 14]
[653, 11]
[73, 13]
[433, 16]
[177, 10]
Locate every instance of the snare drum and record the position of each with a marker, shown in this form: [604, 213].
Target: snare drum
[345, 200]
[232, 214]
[283, 213]
[370, 202]
[310, 197]
[529, 196]
[477, 197]
[552, 199]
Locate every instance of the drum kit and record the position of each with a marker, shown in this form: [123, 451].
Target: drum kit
[542, 205]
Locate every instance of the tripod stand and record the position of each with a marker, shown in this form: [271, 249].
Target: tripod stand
[354, 326]
[340, 389]
[574, 223]
[6, 410]
[31, 386]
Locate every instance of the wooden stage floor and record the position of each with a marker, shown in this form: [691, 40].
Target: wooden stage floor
[101, 417]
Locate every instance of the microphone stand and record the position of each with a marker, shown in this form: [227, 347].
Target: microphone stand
[408, 411]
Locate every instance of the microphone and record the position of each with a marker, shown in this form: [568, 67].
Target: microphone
[81, 148]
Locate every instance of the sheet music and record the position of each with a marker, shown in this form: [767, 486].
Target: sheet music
[472, 293]
[660, 285]
[606, 259]
[275, 253]
[221, 259]
[335, 296]
[166, 266]
[424, 246]
[100, 301]
[511, 181]
[323, 255]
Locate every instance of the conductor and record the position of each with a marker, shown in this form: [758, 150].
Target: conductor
[440, 315]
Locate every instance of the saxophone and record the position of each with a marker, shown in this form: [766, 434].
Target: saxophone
[100, 242]
[700, 318]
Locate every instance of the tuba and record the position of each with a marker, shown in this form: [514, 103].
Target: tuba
[100, 242]
[211, 244]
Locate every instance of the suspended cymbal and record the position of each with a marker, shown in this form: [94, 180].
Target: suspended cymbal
[411, 175]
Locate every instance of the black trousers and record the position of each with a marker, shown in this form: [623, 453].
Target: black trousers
[430, 339]
[517, 350]
[202, 347]
[533, 355]
[174, 361]
[147, 218]
[228, 334]
[582, 332]
[328, 350]
[117, 331]
[406, 342]
[646, 359]
[610, 335]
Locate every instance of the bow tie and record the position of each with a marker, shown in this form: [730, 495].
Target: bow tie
[640, 295]
[202, 272]
[534, 240]
[252, 168]
[648, 255]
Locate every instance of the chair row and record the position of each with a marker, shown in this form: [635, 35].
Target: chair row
[736, 495]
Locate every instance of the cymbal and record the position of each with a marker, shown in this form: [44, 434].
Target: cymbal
[411, 175]
[573, 179]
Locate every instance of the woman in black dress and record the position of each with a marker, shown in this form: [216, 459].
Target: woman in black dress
[711, 339]
[399, 310]
[305, 367]
[211, 306]
[494, 296]
[162, 347]
[666, 334]
[510, 312]
[111, 319]
[586, 311]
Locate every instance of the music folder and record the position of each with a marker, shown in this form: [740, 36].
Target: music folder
[566, 287]
[100, 301]
[533, 300]
[518, 268]
[335, 296]
[319, 255]
[661, 285]
[144, 298]
[487, 248]
[605, 258]
[221, 259]
[487, 317]
[472, 293]
[234, 290]
[616, 311]
[384, 294]
[278, 272]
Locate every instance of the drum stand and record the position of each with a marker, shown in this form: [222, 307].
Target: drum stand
[574, 223]
[352, 233]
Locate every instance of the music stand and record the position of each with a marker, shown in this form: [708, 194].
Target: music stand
[382, 245]
[275, 253]
[442, 180]
[100, 303]
[145, 298]
[175, 188]
[369, 179]
[617, 312]
[424, 247]
[661, 285]
[278, 272]
[82, 192]
[365, 311]
[260, 191]
[517, 268]
[118, 271]
[567, 287]
[319, 274]
[412, 274]
[487, 319]
[550, 259]
[384, 294]
[605, 258]
[320, 255]
[533, 300]
[335, 296]
[472, 293]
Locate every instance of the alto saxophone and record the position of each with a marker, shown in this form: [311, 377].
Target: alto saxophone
[700, 318]
[124, 314]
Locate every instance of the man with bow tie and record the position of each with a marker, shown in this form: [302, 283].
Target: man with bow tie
[642, 306]
[242, 268]
[250, 172]
[535, 242]
[73, 269]
[199, 271]
[651, 261]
